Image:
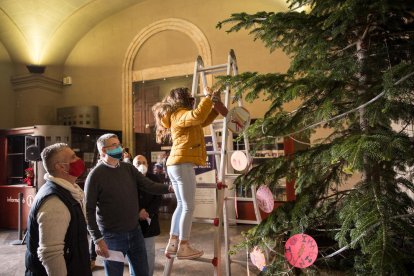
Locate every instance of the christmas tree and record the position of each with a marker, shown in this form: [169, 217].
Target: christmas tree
[352, 70]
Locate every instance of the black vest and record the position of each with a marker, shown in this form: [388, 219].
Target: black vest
[76, 251]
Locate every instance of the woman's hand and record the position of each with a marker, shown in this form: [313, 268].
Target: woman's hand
[208, 92]
[216, 96]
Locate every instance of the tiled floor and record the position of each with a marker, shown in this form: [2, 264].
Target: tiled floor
[202, 236]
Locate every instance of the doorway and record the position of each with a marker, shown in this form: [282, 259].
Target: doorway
[146, 94]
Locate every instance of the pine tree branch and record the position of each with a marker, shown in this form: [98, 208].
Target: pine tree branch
[362, 235]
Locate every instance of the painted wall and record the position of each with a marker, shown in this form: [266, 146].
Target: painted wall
[7, 96]
[95, 64]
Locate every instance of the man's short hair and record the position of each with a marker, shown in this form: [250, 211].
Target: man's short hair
[49, 156]
[135, 161]
[100, 143]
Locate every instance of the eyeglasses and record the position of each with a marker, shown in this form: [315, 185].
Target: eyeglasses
[115, 145]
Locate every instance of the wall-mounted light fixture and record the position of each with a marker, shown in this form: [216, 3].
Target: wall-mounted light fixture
[36, 69]
[67, 80]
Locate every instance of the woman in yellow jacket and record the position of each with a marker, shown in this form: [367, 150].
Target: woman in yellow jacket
[177, 121]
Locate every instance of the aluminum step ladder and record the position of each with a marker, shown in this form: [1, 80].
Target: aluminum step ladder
[225, 173]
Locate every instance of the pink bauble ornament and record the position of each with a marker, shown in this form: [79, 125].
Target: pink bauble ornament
[264, 199]
[301, 250]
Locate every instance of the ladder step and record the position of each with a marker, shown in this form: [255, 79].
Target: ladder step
[231, 176]
[215, 71]
[203, 220]
[207, 185]
[212, 152]
[213, 67]
[240, 198]
[201, 259]
[244, 221]
[241, 262]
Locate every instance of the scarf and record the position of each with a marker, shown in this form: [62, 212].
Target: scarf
[76, 191]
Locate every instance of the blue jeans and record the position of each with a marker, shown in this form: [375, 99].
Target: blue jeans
[150, 246]
[183, 180]
[131, 244]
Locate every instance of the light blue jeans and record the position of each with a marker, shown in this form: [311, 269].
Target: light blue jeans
[183, 180]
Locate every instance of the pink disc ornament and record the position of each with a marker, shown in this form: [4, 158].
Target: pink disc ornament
[301, 250]
[258, 259]
[264, 199]
[239, 161]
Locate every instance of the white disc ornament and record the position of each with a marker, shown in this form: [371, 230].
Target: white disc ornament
[238, 119]
[239, 161]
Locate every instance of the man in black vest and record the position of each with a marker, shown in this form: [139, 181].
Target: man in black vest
[57, 242]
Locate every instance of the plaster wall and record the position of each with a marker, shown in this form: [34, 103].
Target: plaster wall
[7, 96]
[96, 62]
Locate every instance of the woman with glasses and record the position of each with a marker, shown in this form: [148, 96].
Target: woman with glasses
[177, 121]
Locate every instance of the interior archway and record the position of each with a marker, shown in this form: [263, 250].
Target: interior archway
[186, 27]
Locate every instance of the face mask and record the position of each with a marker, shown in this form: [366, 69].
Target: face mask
[142, 169]
[77, 168]
[115, 153]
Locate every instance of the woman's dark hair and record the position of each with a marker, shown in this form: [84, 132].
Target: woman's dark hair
[177, 98]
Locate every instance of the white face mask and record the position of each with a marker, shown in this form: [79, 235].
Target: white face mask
[142, 169]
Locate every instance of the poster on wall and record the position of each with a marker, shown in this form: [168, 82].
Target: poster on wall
[205, 198]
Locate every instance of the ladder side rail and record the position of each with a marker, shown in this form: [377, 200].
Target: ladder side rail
[220, 193]
[226, 239]
[168, 266]
[219, 231]
[217, 158]
[225, 147]
[198, 64]
[246, 144]
[203, 81]
[224, 164]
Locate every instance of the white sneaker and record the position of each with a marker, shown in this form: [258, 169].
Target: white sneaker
[186, 252]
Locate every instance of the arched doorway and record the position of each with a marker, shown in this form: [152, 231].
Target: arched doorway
[186, 27]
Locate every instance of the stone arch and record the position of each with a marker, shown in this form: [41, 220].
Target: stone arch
[175, 24]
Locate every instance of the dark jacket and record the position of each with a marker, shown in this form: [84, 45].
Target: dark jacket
[76, 241]
[151, 203]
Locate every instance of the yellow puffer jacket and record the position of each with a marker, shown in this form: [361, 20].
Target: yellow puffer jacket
[187, 133]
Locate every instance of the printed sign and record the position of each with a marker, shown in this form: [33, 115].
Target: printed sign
[264, 199]
[205, 198]
[301, 250]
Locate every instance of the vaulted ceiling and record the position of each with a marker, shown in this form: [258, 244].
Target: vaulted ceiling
[45, 31]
